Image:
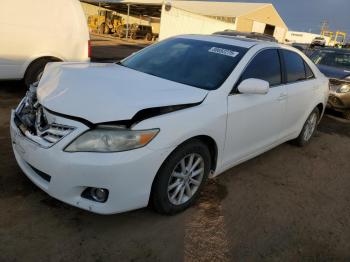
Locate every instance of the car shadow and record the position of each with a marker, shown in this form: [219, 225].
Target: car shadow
[334, 123]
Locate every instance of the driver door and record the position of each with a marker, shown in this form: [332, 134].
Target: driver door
[255, 121]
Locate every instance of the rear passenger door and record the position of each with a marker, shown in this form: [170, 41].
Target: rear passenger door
[300, 85]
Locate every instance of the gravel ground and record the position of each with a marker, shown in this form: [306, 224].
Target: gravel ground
[289, 204]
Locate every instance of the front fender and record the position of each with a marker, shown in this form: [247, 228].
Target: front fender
[208, 118]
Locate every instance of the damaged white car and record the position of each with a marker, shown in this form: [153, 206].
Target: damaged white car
[152, 128]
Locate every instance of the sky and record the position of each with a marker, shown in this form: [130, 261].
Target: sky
[307, 15]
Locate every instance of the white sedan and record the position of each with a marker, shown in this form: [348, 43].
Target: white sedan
[152, 128]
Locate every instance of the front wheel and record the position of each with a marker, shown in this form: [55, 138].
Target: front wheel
[181, 178]
[309, 128]
[101, 28]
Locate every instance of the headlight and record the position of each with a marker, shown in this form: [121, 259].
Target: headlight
[111, 139]
[344, 89]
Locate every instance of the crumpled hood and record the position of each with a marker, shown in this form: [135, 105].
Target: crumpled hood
[108, 92]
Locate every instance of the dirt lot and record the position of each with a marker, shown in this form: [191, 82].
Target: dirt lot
[289, 204]
[108, 49]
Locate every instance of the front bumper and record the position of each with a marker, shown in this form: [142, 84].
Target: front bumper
[127, 175]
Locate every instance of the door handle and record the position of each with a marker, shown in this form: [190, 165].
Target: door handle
[282, 97]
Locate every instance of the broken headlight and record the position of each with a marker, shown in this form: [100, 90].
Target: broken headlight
[344, 88]
[111, 139]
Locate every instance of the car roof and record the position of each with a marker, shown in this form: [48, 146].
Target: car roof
[247, 35]
[230, 40]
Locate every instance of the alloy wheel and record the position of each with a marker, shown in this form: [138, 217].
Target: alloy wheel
[185, 179]
[310, 126]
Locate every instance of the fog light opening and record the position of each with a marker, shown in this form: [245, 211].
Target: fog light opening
[96, 194]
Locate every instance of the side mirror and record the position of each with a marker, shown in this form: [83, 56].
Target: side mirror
[254, 86]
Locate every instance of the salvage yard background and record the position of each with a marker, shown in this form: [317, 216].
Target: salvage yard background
[288, 204]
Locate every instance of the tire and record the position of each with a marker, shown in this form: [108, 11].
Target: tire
[35, 70]
[163, 196]
[101, 29]
[309, 128]
[120, 31]
[346, 115]
[106, 30]
[149, 37]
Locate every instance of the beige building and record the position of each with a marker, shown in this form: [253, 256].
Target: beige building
[205, 17]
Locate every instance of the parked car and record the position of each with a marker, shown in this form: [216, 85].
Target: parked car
[137, 31]
[143, 31]
[335, 64]
[318, 41]
[34, 33]
[152, 128]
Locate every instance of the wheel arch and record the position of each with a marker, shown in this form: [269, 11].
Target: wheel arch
[321, 108]
[35, 60]
[207, 141]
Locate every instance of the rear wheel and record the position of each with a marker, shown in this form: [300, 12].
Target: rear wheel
[149, 37]
[181, 178]
[309, 128]
[101, 28]
[36, 69]
[346, 114]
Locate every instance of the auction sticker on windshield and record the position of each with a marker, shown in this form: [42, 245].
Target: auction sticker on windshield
[223, 51]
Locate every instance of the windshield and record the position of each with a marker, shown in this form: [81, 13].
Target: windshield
[196, 63]
[332, 58]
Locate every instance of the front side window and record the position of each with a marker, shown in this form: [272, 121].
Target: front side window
[192, 62]
[295, 68]
[265, 66]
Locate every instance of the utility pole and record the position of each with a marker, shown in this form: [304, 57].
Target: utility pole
[127, 23]
[324, 27]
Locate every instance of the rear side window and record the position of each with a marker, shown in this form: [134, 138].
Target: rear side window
[265, 66]
[295, 66]
[308, 72]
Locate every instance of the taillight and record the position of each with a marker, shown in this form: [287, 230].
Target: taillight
[89, 48]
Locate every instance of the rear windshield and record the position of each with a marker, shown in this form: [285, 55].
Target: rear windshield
[332, 58]
[196, 63]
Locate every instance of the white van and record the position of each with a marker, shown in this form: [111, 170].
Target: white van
[35, 32]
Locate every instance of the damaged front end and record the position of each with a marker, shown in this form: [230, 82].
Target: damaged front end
[31, 118]
[339, 96]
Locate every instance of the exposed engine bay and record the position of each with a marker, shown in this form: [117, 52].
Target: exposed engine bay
[31, 120]
[28, 110]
